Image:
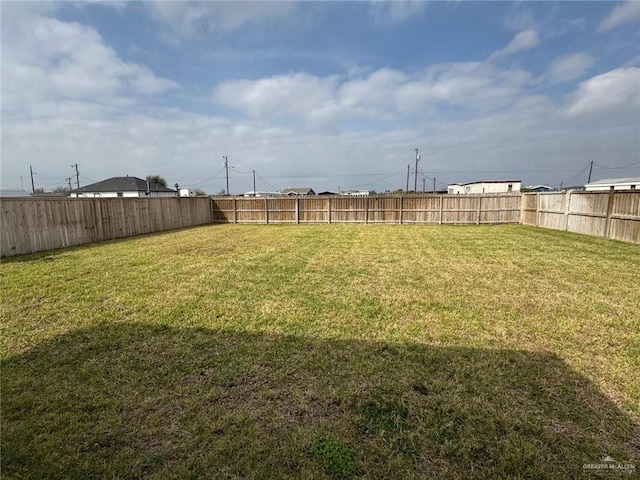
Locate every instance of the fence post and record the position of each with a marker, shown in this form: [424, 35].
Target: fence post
[266, 211]
[401, 202]
[479, 210]
[297, 209]
[440, 213]
[235, 211]
[366, 210]
[610, 203]
[522, 200]
[567, 210]
[537, 209]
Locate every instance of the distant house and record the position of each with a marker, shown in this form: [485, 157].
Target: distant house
[357, 193]
[538, 188]
[630, 183]
[123, 187]
[327, 193]
[298, 191]
[263, 194]
[486, 186]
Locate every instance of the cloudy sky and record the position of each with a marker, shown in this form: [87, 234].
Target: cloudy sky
[330, 95]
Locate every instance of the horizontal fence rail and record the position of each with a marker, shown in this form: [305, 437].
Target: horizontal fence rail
[31, 225]
[429, 209]
[35, 224]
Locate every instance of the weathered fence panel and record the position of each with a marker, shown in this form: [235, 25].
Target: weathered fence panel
[36, 224]
[314, 210]
[613, 214]
[425, 209]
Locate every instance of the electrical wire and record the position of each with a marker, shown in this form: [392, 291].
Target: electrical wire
[576, 177]
[205, 180]
[266, 184]
[401, 171]
[617, 168]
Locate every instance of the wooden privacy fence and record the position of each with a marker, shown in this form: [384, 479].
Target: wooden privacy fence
[612, 214]
[36, 224]
[431, 209]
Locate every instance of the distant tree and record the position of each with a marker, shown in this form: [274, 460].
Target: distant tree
[199, 192]
[60, 189]
[156, 179]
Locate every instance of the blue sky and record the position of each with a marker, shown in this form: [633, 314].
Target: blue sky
[330, 95]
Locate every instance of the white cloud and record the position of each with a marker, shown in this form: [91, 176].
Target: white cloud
[48, 60]
[569, 67]
[617, 89]
[189, 19]
[395, 12]
[627, 12]
[524, 40]
[380, 96]
[277, 96]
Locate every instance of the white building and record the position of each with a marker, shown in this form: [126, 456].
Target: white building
[123, 187]
[263, 194]
[487, 186]
[357, 193]
[630, 183]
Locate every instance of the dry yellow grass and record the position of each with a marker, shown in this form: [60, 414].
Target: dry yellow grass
[437, 351]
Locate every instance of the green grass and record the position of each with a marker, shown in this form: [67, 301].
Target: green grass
[322, 351]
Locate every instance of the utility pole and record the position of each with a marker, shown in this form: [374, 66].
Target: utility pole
[254, 183]
[77, 174]
[226, 167]
[423, 183]
[408, 168]
[69, 180]
[590, 169]
[415, 182]
[33, 187]
[434, 184]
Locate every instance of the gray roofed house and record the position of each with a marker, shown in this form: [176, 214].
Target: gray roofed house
[298, 191]
[123, 187]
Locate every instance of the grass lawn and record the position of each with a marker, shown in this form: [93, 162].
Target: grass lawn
[322, 351]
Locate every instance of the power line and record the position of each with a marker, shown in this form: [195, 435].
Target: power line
[617, 168]
[266, 184]
[207, 179]
[373, 182]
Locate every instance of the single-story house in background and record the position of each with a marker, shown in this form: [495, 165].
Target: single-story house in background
[263, 194]
[486, 186]
[123, 187]
[630, 183]
[357, 193]
[298, 191]
[538, 188]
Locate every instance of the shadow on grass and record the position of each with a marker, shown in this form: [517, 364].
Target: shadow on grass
[136, 401]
